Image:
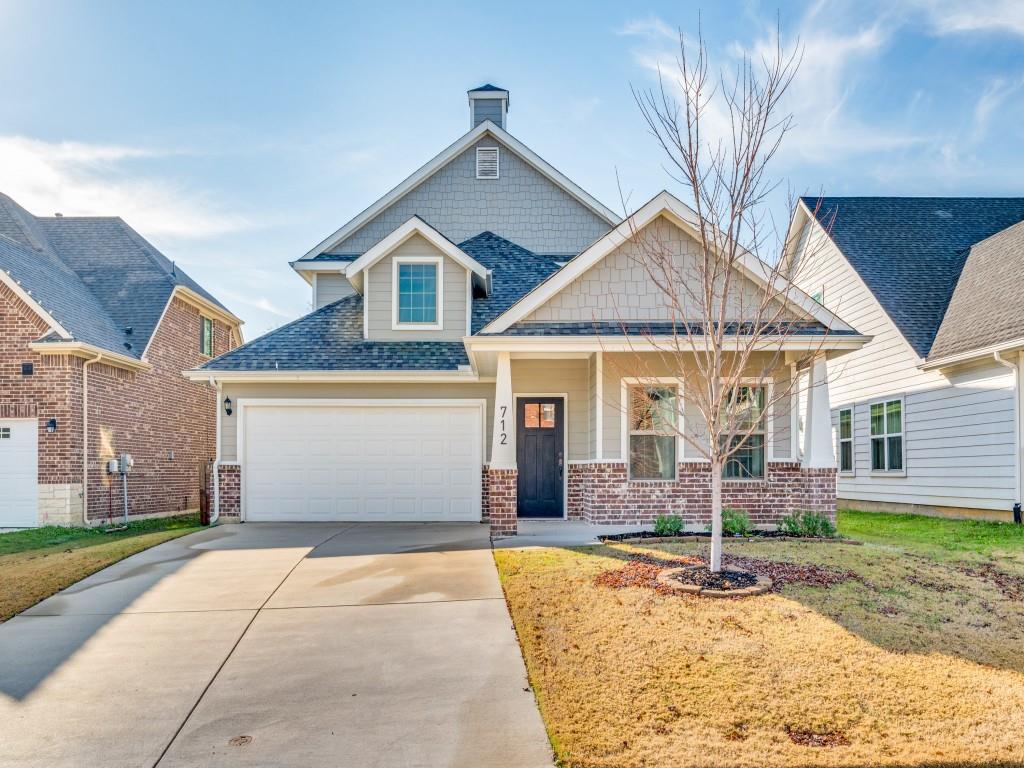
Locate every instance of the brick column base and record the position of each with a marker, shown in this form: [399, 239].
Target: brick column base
[230, 480]
[502, 501]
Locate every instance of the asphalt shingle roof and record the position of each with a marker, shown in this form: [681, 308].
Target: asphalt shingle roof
[331, 339]
[910, 250]
[985, 308]
[95, 275]
[515, 271]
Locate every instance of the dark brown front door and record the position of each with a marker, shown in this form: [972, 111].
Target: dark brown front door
[540, 436]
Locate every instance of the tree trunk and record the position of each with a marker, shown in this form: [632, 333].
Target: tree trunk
[716, 516]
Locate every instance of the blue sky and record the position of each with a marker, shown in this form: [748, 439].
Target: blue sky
[236, 135]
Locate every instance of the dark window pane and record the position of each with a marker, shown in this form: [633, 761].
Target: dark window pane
[878, 419]
[895, 453]
[845, 425]
[652, 457]
[878, 453]
[846, 456]
[748, 460]
[894, 416]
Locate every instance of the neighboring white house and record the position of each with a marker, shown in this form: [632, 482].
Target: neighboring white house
[926, 415]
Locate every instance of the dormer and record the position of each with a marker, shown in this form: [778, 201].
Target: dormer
[488, 102]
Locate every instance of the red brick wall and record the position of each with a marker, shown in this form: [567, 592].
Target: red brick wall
[54, 390]
[602, 493]
[230, 491]
[485, 497]
[164, 421]
[502, 496]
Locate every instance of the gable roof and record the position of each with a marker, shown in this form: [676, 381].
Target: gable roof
[95, 276]
[910, 251]
[486, 128]
[984, 309]
[662, 204]
[331, 339]
[414, 226]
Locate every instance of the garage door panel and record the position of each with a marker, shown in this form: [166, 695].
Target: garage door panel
[362, 462]
[18, 473]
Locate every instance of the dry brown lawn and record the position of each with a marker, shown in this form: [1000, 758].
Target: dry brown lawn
[36, 563]
[917, 661]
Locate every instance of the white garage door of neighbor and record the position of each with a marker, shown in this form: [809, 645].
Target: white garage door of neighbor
[362, 462]
[18, 473]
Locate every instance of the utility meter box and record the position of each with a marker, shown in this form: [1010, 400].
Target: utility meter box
[113, 467]
[127, 462]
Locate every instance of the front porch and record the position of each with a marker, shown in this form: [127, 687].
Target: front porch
[592, 460]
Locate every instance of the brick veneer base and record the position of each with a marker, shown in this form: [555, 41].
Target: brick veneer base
[230, 493]
[602, 493]
[501, 501]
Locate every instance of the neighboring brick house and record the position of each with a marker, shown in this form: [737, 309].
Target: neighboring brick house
[486, 316]
[93, 317]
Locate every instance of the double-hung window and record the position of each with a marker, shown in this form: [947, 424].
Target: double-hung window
[887, 436]
[745, 415]
[206, 336]
[845, 437]
[653, 432]
[417, 293]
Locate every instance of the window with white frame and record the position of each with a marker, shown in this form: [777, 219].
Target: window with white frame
[206, 336]
[845, 438]
[745, 411]
[417, 293]
[653, 418]
[887, 436]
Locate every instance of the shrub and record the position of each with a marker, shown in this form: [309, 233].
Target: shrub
[735, 522]
[668, 525]
[808, 524]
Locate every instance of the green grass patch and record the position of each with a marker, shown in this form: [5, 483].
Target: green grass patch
[38, 562]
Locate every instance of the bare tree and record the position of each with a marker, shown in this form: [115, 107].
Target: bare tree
[727, 330]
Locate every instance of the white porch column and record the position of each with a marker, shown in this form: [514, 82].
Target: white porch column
[503, 439]
[818, 452]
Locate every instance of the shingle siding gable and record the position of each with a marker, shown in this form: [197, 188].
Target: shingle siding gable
[521, 205]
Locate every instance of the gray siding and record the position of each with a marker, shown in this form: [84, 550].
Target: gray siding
[619, 287]
[522, 206]
[550, 377]
[379, 293]
[329, 288]
[487, 109]
[959, 444]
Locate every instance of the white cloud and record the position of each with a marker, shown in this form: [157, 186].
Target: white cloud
[989, 103]
[947, 17]
[82, 179]
[652, 26]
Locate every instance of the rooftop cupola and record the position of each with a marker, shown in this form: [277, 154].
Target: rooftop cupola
[488, 102]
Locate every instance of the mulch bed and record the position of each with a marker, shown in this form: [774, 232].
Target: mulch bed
[641, 570]
[812, 739]
[705, 535]
[702, 576]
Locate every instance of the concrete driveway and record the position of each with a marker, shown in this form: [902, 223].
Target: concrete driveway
[276, 645]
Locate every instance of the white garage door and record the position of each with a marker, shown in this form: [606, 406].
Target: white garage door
[18, 474]
[362, 462]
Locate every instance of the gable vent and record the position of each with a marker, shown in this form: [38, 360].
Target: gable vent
[487, 162]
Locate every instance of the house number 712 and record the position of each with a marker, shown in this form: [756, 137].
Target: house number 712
[503, 435]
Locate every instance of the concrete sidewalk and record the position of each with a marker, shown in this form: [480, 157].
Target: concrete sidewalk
[276, 645]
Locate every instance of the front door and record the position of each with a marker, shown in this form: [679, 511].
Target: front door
[540, 436]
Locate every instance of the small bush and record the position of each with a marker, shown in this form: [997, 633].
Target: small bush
[735, 522]
[668, 525]
[809, 524]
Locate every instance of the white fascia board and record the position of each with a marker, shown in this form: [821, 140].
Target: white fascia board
[416, 226]
[663, 204]
[422, 377]
[204, 305]
[487, 95]
[442, 159]
[974, 354]
[34, 305]
[549, 344]
[81, 349]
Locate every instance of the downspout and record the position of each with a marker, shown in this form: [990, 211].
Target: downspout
[1018, 441]
[215, 514]
[85, 438]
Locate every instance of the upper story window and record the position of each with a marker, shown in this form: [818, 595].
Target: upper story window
[206, 336]
[887, 436]
[746, 411]
[417, 293]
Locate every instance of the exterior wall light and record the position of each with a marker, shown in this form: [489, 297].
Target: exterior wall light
[227, 405]
[51, 426]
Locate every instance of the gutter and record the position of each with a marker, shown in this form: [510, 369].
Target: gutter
[1018, 437]
[974, 354]
[85, 437]
[215, 514]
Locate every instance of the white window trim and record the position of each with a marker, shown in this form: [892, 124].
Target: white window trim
[396, 262]
[650, 381]
[497, 163]
[902, 433]
[203, 320]
[769, 426]
[852, 440]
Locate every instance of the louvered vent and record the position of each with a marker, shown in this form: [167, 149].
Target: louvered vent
[487, 162]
